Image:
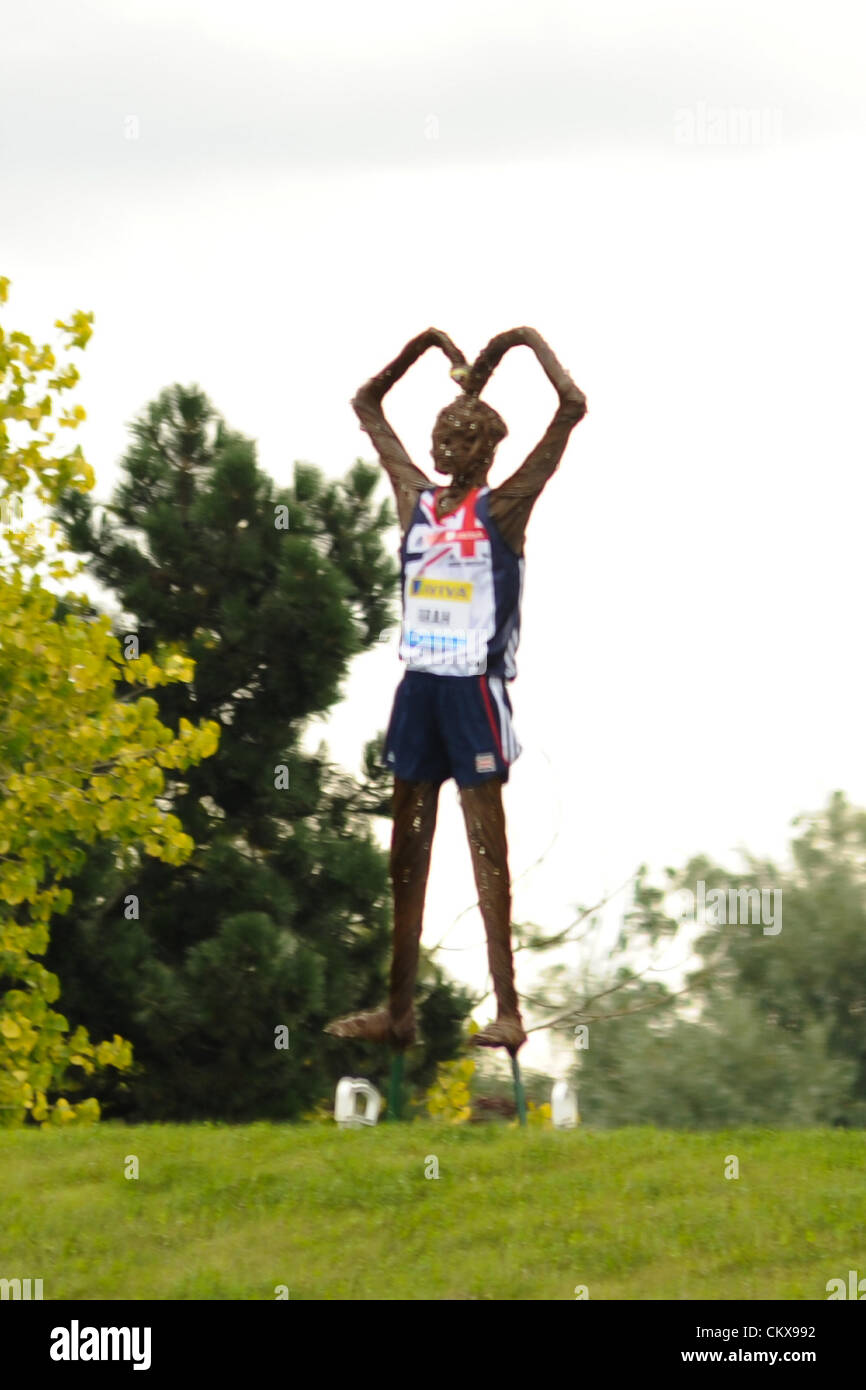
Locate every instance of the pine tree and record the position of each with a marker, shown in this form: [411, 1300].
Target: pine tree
[281, 917]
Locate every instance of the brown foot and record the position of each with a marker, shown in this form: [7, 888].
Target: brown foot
[375, 1026]
[505, 1032]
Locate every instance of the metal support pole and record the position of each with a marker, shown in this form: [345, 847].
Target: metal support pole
[519, 1095]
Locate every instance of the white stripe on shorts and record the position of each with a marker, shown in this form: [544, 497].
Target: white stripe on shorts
[510, 744]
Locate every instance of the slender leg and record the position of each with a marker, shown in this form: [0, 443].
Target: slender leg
[485, 826]
[415, 805]
[415, 808]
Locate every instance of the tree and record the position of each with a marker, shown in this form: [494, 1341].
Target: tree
[733, 1066]
[76, 761]
[807, 972]
[773, 1029]
[281, 917]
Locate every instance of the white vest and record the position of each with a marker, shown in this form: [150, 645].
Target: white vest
[461, 591]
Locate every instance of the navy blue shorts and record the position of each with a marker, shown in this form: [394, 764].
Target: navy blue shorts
[450, 726]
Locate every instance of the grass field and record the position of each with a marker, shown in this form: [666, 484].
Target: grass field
[222, 1212]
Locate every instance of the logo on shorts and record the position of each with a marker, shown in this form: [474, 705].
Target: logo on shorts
[485, 762]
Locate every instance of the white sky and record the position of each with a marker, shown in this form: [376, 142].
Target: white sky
[310, 186]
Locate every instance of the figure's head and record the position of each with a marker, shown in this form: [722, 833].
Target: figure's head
[465, 438]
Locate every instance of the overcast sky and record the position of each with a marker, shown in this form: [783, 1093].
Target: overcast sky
[269, 200]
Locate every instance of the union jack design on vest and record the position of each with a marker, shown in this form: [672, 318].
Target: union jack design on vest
[462, 587]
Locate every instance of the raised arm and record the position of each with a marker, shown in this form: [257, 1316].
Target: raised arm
[406, 479]
[512, 502]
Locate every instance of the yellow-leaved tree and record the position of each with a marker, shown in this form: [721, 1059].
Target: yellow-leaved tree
[81, 748]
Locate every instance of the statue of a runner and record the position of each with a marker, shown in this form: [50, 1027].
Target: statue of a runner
[462, 576]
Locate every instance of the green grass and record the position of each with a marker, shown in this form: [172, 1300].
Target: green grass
[222, 1212]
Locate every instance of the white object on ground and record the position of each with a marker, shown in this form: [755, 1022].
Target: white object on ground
[346, 1106]
[563, 1105]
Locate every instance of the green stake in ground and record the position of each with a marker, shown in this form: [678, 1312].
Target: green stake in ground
[462, 576]
[519, 1094]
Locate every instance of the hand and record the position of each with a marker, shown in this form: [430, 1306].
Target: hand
[489, 358]
[372, 392]
[569, 393]
[435, 337]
